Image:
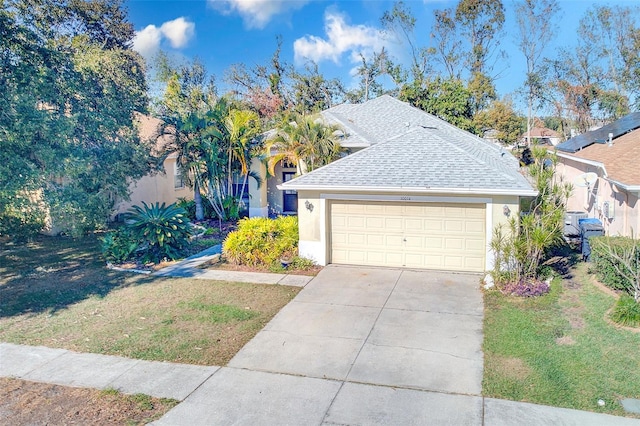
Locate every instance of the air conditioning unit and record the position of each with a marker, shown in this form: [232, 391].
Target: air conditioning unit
[608, 210]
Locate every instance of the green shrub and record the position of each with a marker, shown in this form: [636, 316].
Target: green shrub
[190, 207]
[262, 241]
[20, 220]
[301, 263]
[118, 246]
[606, 267]
[162, 231]
[626, 311]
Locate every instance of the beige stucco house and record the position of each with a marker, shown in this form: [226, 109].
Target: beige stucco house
[418, 193]
[610, 155]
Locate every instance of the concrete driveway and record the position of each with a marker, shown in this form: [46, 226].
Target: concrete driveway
[409, 329]
[356, 346]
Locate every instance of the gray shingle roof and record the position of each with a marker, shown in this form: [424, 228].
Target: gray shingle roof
[412, 150]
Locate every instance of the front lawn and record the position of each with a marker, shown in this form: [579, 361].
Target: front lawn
[57, 292]
[559, 349]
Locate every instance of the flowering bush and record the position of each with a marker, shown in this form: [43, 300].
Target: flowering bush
[526, 288]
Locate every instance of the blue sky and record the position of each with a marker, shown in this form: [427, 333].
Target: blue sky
[333, 33]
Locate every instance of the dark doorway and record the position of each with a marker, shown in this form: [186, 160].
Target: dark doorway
[289, 197]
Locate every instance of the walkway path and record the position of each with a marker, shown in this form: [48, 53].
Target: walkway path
[189, 268]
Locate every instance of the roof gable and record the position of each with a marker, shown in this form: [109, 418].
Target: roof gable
[413, 150]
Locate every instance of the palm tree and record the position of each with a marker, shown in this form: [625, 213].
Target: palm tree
[307, 141]
[242, 126]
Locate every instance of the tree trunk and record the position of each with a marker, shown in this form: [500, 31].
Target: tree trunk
[197, 198]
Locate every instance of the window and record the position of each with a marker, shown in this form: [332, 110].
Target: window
[178, 180]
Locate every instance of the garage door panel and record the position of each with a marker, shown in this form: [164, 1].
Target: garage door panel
[357, 239]
[474, 227]
[393, 224]
[375, 240]
[429, 235]
[375, 222]
[433, 243]
[454, 226]
[454, 262]
[414, 223]
[475, 245]
[454, 243]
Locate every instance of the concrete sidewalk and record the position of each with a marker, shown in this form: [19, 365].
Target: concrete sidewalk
[278, 399]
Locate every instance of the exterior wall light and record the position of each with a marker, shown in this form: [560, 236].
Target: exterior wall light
[506, 210]
[309, 206]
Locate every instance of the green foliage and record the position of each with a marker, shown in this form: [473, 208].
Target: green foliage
[262, 241]
[519, 250]
[69, 89]
[306, 141]
[214, 140]
[119, 245]
[20, 218]
[626, 311]
[448, 99]
[161, 231]
[616, 261]
[189, 206]
[301, 263]
[501, 117]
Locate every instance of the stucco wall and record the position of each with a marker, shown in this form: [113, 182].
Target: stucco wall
[591, 200]
[156, 188]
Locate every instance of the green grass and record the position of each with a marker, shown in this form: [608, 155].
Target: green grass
[559, 349]
[57, 292]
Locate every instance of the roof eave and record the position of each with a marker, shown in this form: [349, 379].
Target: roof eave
[628, 188]
[412, 190]
[583, 161]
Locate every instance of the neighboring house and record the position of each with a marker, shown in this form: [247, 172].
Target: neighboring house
[541, 136]
[423, 193]
[159, 187]
[612, 153]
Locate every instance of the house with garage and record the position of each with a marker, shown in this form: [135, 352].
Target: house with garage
[417, 192]
[603, 167]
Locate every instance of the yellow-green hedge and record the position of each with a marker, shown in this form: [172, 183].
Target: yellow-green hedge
[262, 241]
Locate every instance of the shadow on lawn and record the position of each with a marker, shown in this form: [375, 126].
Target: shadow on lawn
[52, 273]
[562, 259]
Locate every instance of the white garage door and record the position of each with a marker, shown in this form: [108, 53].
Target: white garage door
[429, 235]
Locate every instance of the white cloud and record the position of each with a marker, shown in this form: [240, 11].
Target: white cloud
[147, 41]
[341, 38]
[178, 32]
[256, 13]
